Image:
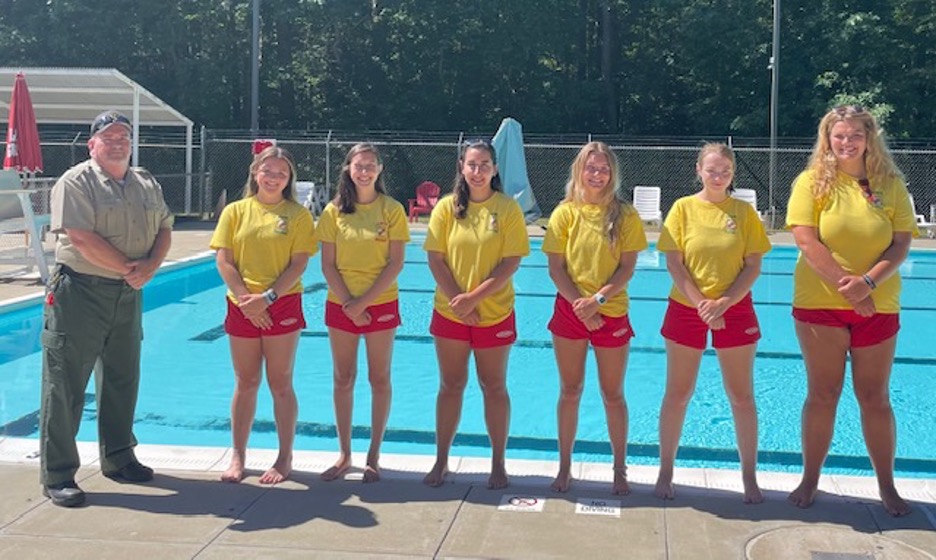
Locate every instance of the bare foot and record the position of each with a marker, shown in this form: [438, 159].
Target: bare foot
[235, 471]
[278, 472]
[664, 487]
[436, 477]
[563, 480]
[804, 495]
[338, 469]
[498, 478]
[893, 503]
[620, 486]
[371, 473]
[752, 494]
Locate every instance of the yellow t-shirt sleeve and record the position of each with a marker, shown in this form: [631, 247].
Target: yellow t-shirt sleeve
[397, 224]
[801, 209]
[756, 238]
[516, 240]
[223, 236]
[671, 235]
[633, 238]
[557, 231]
[904, 212]
[327, 228]
[304, 241]
[440, 223]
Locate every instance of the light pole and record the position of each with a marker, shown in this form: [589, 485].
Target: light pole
[774, 90]
[255, 72]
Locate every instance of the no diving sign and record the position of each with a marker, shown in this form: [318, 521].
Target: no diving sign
[592, 506]
[516, 502]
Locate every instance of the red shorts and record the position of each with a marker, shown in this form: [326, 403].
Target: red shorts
[683, 325]
[501, 334]
[865, 331]
[383, 316]
[286, 313]
[615, 332]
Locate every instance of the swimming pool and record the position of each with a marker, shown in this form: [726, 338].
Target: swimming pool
[187, 379]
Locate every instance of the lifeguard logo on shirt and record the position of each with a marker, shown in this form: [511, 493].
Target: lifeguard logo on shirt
[731, 226]
[493, 225]
[282, 225]
[381, 231]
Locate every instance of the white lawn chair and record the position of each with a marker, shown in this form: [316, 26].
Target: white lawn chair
[749, 196]
[23, 220]
[924, 226]
[312, 196]
[647, 203]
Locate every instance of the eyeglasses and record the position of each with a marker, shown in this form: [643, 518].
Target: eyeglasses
[866, 189]
[848, 110]
[594, 170]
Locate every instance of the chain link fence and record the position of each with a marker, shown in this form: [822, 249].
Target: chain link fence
[410, 159]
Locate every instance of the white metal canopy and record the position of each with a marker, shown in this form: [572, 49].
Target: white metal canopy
[77, 95]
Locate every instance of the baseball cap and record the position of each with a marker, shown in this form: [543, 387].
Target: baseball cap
[107, 119]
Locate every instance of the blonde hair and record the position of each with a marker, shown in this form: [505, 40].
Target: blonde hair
[272, 152]
[616, 209]
[879, 165]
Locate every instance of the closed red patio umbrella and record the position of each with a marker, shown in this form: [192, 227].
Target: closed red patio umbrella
[23, 152]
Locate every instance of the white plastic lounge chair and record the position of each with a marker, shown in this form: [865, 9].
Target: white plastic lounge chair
[922, 224]
[749, 196]
[647, 203]
[25, 221]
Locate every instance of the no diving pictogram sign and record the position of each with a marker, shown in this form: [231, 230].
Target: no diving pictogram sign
[518, 502]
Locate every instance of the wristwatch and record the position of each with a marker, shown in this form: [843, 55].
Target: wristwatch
[599, 297]
[270, 296]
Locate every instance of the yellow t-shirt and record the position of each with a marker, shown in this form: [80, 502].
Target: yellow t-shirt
[362, 243]
[262, 239]
[473, 246]
[577, 232]
[856, 232]
[713, 239]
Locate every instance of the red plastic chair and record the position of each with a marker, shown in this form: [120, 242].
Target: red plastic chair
[427, 195]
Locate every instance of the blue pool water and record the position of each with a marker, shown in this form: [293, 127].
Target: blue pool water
[187, 379]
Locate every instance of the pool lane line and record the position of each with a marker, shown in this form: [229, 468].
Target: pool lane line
[217, 333]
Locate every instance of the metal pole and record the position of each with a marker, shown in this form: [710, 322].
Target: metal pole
[774, 91]
[255, 72]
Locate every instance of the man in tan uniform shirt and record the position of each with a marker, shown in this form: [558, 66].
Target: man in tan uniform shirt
[114, 231]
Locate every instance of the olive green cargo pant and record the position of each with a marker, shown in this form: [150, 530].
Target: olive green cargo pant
[88, 317]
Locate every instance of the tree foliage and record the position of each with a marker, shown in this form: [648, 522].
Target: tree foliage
[667, 67]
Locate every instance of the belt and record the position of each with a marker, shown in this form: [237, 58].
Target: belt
[92, 278]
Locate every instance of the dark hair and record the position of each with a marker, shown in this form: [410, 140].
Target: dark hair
[272, 152]
[345, 191]
[460, 185]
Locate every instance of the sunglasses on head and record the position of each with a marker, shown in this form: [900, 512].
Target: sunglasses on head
[848, 110]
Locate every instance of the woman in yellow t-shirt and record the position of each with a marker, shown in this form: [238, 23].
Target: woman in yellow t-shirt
[713, 244]
[264, 242]
[474, 244]
[363, 233]
[592, 242]
[852, 221]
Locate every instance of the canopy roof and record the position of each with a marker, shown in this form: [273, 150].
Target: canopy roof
[77, 95]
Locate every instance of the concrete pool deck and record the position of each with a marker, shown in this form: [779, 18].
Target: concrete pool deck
[186, 513]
